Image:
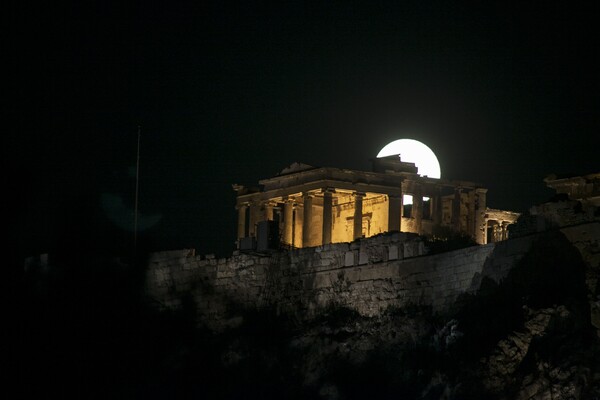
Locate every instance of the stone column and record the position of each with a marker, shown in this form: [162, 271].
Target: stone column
[505, 230]
[418, 208]
[288, 220]
[307, 219]
[480, 221]
[254, 218]
[498, 232]
[403, 188]
[358, 212]
[471, 220]
[394, 212]
[241, 228]
[268, 211]
[456, 208]
[436, 209]
[327, 214]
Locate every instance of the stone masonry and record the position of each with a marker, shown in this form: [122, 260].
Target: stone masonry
[367, 275]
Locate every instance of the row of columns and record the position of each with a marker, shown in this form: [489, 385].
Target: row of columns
[307, 202]
[394, 215]
[418, 209]
[499, 230]
[477, 224]
[476, 209]
[327, 227]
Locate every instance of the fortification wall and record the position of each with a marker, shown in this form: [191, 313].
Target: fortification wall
[368, 276]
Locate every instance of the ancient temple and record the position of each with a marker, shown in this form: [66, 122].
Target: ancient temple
[577, 201]
[305, 206]
[585, 188]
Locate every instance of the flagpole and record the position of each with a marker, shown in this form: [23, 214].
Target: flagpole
[137, 188]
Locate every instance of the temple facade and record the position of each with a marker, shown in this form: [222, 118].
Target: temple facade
[306, 206]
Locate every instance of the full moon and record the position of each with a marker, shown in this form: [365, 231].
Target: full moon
[416, 152]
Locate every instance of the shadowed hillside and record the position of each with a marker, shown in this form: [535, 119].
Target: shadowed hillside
[88, 332]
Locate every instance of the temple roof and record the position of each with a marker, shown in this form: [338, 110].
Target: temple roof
[295, 167]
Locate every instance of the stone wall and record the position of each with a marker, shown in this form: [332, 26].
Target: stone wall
[368, 275]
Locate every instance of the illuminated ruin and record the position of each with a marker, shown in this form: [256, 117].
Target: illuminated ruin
[306, 206]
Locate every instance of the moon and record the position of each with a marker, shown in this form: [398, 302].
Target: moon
[416, 152]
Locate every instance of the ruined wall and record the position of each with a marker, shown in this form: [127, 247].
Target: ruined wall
[368, 275]
[567, 212]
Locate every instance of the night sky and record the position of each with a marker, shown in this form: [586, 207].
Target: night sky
[226, 93]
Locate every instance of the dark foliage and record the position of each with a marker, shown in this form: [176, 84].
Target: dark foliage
[446, 239]
[336, 316]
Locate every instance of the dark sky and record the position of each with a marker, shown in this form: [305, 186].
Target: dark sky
[226, 93]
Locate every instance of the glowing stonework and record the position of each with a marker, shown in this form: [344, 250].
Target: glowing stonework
[306, 206]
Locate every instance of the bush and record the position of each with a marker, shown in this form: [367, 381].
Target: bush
[445, 239]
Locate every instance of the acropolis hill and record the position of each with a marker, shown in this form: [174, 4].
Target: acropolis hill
[348, 240]
[374, 297]
[368, 297]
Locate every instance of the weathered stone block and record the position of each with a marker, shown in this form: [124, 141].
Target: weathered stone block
[409, 250]
[363, 257]
[350, 274]
[203, 263]
[321, 263]
[349, 259]
[393, 252]
[322, 281]
[367, 274]
[190, 265]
